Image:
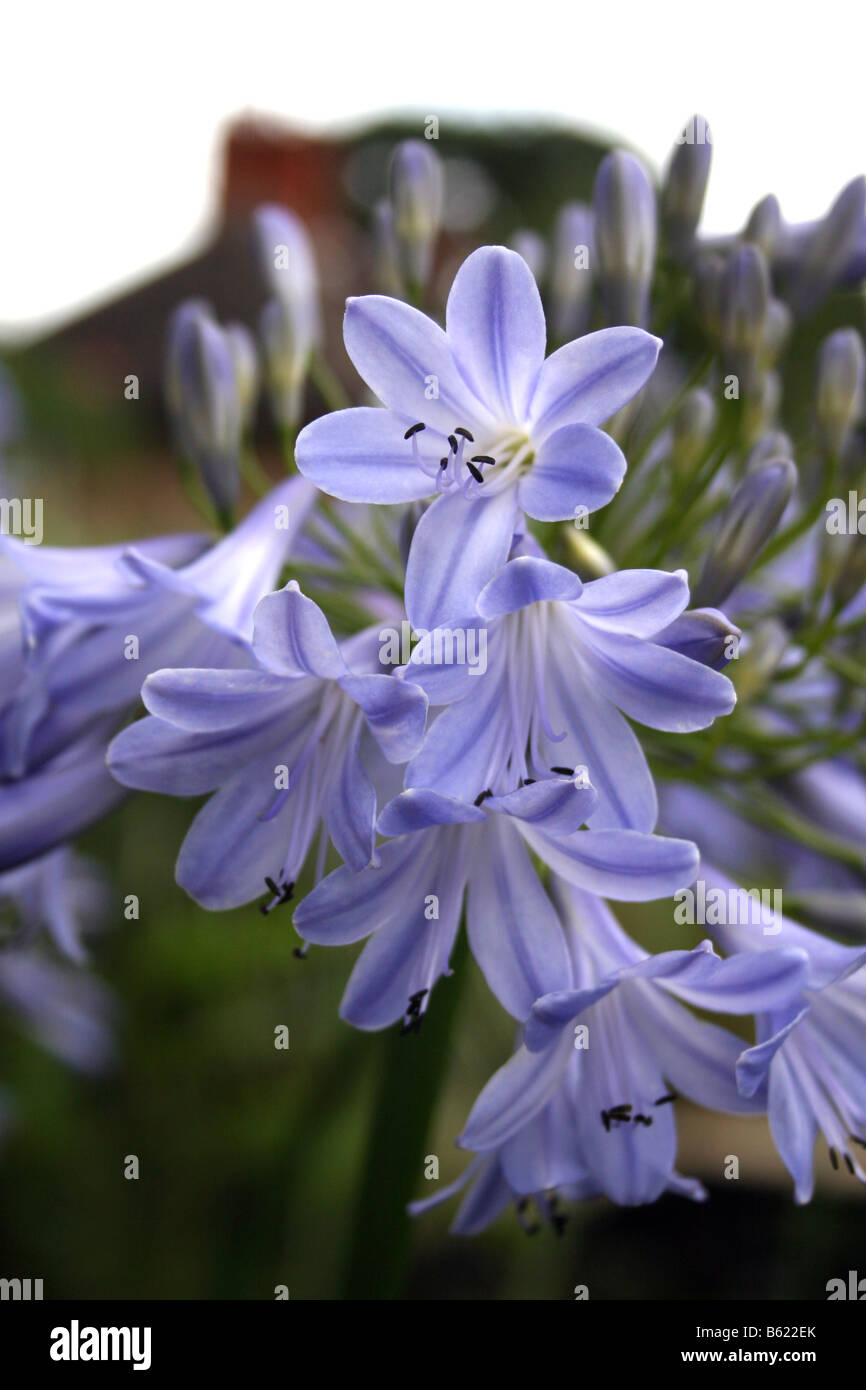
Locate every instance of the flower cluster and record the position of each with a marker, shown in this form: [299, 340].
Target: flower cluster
[467, 668]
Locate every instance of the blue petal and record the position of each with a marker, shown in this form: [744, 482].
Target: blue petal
[654, 685]
[495, 326]
[793, 1126]
[527, 580]
[552, 1013]
[207, 700]
[636, 602]
[395, 711]
[361, 455]
[420, 808]
[292, 636]
[589, 380]
[555, 805]
[576, 470]
[458, 546]
[514, 931]
[620, 864]
[742, 984]
[485, 1200]
[346, 906]
[56, 803]
[514, 1095]
[351, 812]
[401, 354]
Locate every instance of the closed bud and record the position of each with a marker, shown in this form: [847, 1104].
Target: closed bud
[288, 269]
[385, 248]
[748, 522]
[692, 427]
[204, 400]
[744, 297]
[625, 237]
[775, 444]
[777, 331]
[287, 361]
[708, 274]
[840, 387]
[705, 635]
[246, 360]
[849, 572]
[764, 226]
[571, 272]
[830, 248]
[684, 188]
[416, 186]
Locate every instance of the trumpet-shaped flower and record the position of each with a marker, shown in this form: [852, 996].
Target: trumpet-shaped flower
[279, 745]
[565, 662]
[477, 418]
[445, 849]
[600, 1055]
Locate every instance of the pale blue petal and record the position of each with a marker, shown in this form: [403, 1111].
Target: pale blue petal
[527, 580]
[654, 685]
[361, 455]
[495, 326]
[576, 470]
[620, 864]
[292, 636]
[589, 380]
[636, 602]
[458, 546]
[514, 1095]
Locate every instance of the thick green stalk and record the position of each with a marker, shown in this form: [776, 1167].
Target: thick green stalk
[411, 1071]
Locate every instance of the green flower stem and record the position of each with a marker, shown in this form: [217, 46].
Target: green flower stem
[328, 384]
[411, 1069]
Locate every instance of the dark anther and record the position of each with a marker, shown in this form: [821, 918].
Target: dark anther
[643, 1119]
[465, 434]
[856, 1140]
[300, 952]
[618, 1114]
[413, 1017]
[482, 796]
[834, 1158]
[559, 1223]
[476, 472]
[665, 1100]
[566, 771]
[849, 1164]
[483, 458]
[443, 463]
[281, 891]
[453, 442]
[414, 429]
[527, 781]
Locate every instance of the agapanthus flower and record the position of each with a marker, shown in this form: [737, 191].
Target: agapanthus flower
[476, 417]
[810, 1054]
[565, 662]
[280, 746]
[601, 1054]
[446, 850]
[93, 625]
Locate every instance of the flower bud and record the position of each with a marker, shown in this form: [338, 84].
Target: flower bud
[705, 635]
[204, 400]
[744, 296]
[748, 522]
[692, 427]
[708, 273]
[246, 359]
[289, 271]
[830, 247]
[775, 444]
[625, 235]
[764, 226]
[777, 331]
[571, 272]
[840, 387]
[287, 360]
[416, 185]
[757, 665]
[685, 185]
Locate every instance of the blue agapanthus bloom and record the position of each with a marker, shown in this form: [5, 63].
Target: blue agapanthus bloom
[808, 1058]
[446, 849]
[601, 1053]
[279, 744]
[88, 626]
[565, 661]
[479, 419]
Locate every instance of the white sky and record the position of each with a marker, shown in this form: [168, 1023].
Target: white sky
[110, 112]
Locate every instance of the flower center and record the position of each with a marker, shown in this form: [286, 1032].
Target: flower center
[460, 468]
